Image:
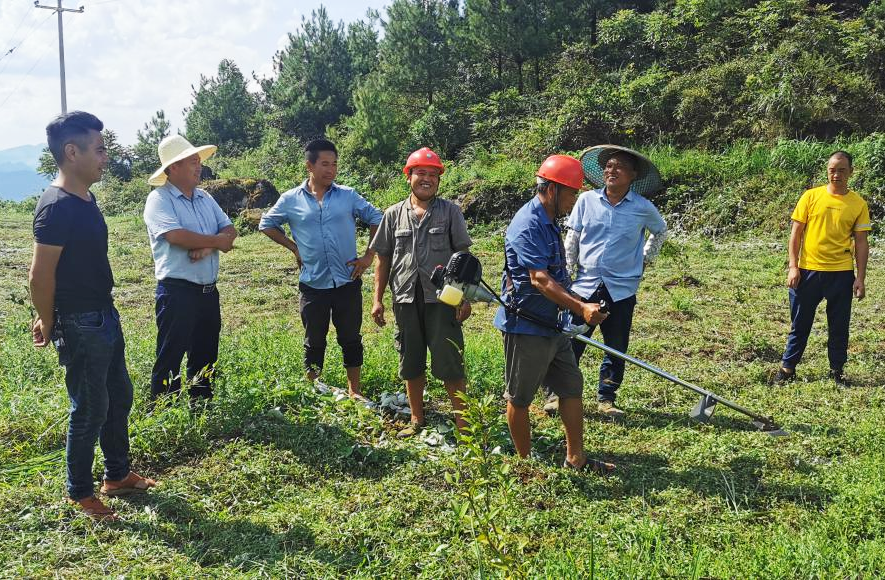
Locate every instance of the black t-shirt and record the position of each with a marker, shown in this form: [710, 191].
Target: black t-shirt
[83, 278]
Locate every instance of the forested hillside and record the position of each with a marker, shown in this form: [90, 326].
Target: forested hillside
[729, 95]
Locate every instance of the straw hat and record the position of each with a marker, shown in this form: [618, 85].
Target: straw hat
[175, 148]
[648, 179]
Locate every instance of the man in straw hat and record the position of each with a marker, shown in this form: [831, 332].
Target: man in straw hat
[536, 282]
[70, 282]
[322, 218]
[186, 228]
[417, 235]
[607, 248]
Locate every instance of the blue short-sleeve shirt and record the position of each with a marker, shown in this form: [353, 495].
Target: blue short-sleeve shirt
[167, 209]
[324, 232]
[532, 242]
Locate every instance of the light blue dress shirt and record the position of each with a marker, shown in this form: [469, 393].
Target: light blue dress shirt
[325, 233]
[167, 209]
[611, 241]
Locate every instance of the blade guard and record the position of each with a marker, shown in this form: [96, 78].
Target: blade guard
[703, 411]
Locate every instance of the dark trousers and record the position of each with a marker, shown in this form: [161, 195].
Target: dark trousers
[344, 305]
[188, 322]
[616, 334]
[91, 349]
[838, 290]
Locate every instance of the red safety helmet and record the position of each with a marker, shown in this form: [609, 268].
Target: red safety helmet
[562, 169]
[424, 157]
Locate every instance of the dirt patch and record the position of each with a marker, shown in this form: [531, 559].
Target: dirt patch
[684, 281]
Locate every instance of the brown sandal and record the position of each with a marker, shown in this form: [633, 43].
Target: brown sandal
[95, 509]
[132, 483]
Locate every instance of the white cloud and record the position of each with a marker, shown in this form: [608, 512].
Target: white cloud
[125, 59]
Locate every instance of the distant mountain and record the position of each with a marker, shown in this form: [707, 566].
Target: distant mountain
[24, 154]
[18, 172]
[19, 185]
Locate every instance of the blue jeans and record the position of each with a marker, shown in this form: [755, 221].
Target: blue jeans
[616, 334]
[91, 349]
[188, 322]
[814, 286]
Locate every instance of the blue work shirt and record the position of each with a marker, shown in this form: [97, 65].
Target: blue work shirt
[167, 209]
[325, 233]
[532, 242]
[611, 239]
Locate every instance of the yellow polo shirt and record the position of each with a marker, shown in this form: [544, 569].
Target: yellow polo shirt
[830, 220]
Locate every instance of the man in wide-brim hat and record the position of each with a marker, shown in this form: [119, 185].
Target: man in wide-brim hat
[614, 233]
[186, 228]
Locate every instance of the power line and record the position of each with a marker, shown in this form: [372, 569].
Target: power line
[30, 70]
[17, 28]
[21, 82]
[25, 39]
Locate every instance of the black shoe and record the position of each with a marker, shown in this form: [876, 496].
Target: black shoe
[783, 376]
[839, 378]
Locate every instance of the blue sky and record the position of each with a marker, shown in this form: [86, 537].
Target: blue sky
[125, 59]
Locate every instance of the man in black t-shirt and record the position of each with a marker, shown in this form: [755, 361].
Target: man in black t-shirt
[71, 281]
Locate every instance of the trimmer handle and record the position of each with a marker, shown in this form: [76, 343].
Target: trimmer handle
[603, 306]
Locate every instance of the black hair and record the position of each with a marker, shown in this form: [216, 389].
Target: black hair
[312, 150]
[844, 154]
[631, 159]
[73, 127]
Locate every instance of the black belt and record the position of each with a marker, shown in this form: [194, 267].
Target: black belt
[204, 288]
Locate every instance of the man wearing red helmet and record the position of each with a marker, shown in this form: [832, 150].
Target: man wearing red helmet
[416, 235]
[536, 282]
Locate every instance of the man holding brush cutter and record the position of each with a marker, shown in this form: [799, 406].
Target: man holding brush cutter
[535, 282]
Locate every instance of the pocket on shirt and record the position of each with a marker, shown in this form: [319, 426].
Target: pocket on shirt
[402, 241]
[439, 239]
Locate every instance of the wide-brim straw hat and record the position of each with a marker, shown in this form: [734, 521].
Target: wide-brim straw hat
[175, 148]
[593, 160]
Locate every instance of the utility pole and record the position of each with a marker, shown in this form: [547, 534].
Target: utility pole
[61, 48]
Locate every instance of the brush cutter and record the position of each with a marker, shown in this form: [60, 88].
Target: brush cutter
[461, 279]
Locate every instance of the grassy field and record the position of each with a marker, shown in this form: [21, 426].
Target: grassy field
[279, 480]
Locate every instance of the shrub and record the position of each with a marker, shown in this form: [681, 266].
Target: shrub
[117, 197]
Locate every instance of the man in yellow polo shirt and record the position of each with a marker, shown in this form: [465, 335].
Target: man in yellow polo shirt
[827, 222]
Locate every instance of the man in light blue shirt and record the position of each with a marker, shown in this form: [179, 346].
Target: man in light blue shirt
[322, 218]
[607, 250]
[186, 228]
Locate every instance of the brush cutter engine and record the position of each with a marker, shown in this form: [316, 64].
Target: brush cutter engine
[461, 279]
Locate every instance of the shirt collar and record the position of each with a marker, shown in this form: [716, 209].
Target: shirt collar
[306, 190]
[178, 193]
[408, 203]
[539, 210]
[629, 197]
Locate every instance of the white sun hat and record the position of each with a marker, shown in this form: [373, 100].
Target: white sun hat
[175, 148]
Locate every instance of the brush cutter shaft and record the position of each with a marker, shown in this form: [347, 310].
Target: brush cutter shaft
[461, 279]
[674, 379]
